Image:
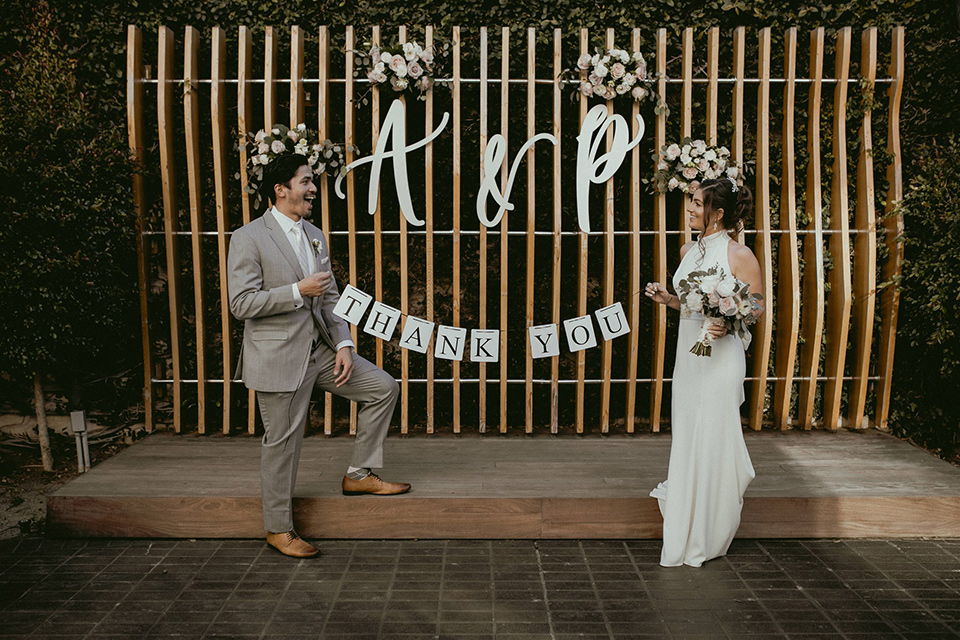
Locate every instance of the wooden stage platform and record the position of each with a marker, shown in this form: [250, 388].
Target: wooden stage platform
[809, 484]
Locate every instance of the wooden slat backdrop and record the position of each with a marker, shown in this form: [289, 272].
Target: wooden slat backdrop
[807, 319]
[135, 140]
[838, 301]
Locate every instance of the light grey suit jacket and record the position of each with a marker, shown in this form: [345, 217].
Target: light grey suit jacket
[277, 337]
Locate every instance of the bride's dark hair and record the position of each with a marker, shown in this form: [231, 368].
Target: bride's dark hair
[737, 205]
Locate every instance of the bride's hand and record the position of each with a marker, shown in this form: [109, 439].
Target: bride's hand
[717, 330]
[658, 293]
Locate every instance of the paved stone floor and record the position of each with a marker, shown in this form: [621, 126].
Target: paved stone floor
[473, 590]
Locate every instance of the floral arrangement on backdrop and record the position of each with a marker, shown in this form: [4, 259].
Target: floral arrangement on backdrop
[686, 164]
[402, 67]
[722, 299]
[615, 73]
[263, 147]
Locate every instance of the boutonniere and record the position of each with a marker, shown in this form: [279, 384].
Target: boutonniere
[316, 246]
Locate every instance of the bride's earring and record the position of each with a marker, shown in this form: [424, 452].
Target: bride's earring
[714, 226]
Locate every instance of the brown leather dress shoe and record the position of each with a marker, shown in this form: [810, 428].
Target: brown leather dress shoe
[290, 544]
[373, 485]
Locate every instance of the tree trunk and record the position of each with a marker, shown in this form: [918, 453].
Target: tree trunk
[45, 453]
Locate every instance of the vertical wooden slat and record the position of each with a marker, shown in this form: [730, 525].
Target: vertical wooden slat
[739, 50]
[296, 76]
[811, 326]
[244, 125]
[218, 114]
[269, 79]
[349, 124]
[838, 303]
[713, 70]
[557, 228]
[323, 132]
[788, 292]
[893, 227]
[404, 302]
[504, 226]
[168, 177]
[428, 213]
[582, 273]
[865, 247]
[531, 219]
[608, 251]
[659, 251]
[482, 395]
[456, 218]
[763, 331]
[378, 216]
[135, 142]
[634, 278]
[191, 122]
[686, 123]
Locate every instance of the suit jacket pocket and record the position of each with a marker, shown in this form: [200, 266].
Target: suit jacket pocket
[269, 335]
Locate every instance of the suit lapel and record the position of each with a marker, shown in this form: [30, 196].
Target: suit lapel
[280, 239]
[312, 234]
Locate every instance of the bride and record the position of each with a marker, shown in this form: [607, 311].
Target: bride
[709, 464]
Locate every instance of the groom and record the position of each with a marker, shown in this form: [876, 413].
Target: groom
[281, 286]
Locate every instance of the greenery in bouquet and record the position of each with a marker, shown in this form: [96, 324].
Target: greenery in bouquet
[615, 74]
[686, 164]
[402, 67]
[263, 147]
[719, 297]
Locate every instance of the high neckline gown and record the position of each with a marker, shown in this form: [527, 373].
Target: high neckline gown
[709, 467]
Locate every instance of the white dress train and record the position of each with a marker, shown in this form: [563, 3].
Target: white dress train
[709, 465]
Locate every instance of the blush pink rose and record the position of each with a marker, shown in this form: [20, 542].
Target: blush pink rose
[727, 306]
[690, 173]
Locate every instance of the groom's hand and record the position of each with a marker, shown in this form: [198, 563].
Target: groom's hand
[343, 368]
[314, 285]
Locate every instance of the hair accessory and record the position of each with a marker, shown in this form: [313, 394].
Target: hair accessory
[735, 187]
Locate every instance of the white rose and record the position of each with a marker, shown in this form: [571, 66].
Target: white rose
[264, 158]
[689, 173]
[595, 59]
[744, 308]
[584, 62]
[255, 160]
[617, 71]
[278, 147]
[622, 89]
[684, 157]
[695, 302]
[601, 70]
[709, 284]
[624, 57]
[594, 79]
[663, 166]
[710, 155]
[586, 89]
[638, 93]
[724, 152]
[301, 127]
[732, 172]
[673, 184]
[673, 151]
[629, 79]
[685, 149]
[725, 288]
[313, 159]
[700, 145]
[409, 50]
[275, 132]
[427, 56]
[260, 136]
[703, 165]
[385, 57]
[415, 70]
[263, 147]
[293, 135]
[399, 66]
[379, 67]
[710, 174]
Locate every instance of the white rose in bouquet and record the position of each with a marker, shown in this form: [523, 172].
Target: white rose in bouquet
[732, 172]
[409, 50]
[414, 70]
[638, 93]
[672, 152]
[622, 88]
[426, 57]
[709, 284]
[583, 62]
[399, 66]
[710, 155]
[617, 71]
[385, 57]
[695, 302]
[689, 173]
[725, 288]
[278, 147]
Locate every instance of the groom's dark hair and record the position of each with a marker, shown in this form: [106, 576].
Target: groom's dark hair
[280, 171]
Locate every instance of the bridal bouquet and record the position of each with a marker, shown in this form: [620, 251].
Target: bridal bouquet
[722, 299]
[403, 67]
[263, 147]
[615, 73]
[683, 166]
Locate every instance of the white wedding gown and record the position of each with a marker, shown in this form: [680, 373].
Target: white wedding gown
[709, 464]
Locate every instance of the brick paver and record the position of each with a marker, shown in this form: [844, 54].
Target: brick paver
[477, 590]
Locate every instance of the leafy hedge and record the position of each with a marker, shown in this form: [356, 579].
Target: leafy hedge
[94, 32]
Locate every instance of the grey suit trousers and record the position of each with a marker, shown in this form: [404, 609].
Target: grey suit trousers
[285, 416]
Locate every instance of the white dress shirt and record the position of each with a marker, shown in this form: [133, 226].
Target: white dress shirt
[292, 231]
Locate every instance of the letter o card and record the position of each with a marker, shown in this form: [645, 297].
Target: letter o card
[612, 321]
[416, 334]
[544, 341]
[580, 334]
[382, 321]
[352, 304]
